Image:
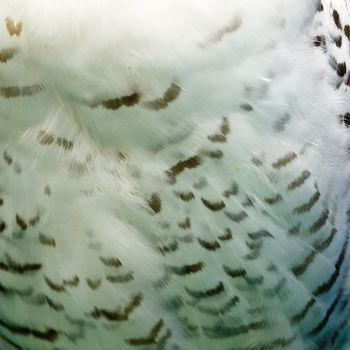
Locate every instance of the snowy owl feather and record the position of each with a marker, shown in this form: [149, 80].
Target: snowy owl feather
[174, 174]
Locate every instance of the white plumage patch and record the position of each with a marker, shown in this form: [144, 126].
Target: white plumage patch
[174, 175]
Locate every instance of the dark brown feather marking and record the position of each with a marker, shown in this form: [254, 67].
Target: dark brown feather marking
[16, 268]
[7, 158]
[47, 190]
[9, 291]
[49, 334]
[298, 317]
[55, 287]
[228, 29]
[321, 246]
[7, 54]
[13, 28]
[224, 132]
[222, 310]
[185, 270]
[59, 288]
[213, 206]
[73, 282]
[128, 277]
[294, 230]
[150, 339]
[272, 268]
[94, 283]
[169, 248]
[162, 342]
[169, 96]
[255, 245]
[17, 91]
[320, 222]
[246, 107]
[336, 19]
[121, 314]
[45, 138]
[345, 119]
[320, 40]
[347, 82]
[34, 220]
[248, 202]
[186, 224]
[254, 281]
[163, 281]
[217, 138]
[338, 41]
[347, 31]
[220, 332]
[277, 343]
[235, 273]
[115, 103]
[281, 123]
[257, 161]
[299, 181]
[341, 69]
[130, 100]
[78, 168]
[172, 93]
[285, 160]
[233, 191]
[318, 248]
[41, 300]
[211, 246]
[155, 203]
[187, 196]
[214, 154]
[226, 236]
[64, 143]
[326, 286]
[273, 200]
[326, 318]
[218, 289]
[111, 262]
[47, 240]
[21, 222]
[260, 234]
[253, 255]
[236, 217]
[182, 165]
[225, 126]
[305, 208]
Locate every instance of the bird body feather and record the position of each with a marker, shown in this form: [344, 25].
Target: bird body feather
[174, 175]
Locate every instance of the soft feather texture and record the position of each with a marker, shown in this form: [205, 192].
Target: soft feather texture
[174, 174]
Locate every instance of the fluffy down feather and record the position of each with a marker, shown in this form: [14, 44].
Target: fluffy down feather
[174, 174]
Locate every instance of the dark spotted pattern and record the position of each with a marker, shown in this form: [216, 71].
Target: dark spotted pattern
[116, 103]
[150, 338]
[13, 27]
[216, 239]
[121, 314]
[7, 54]
[20, 91]
[170, 95]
